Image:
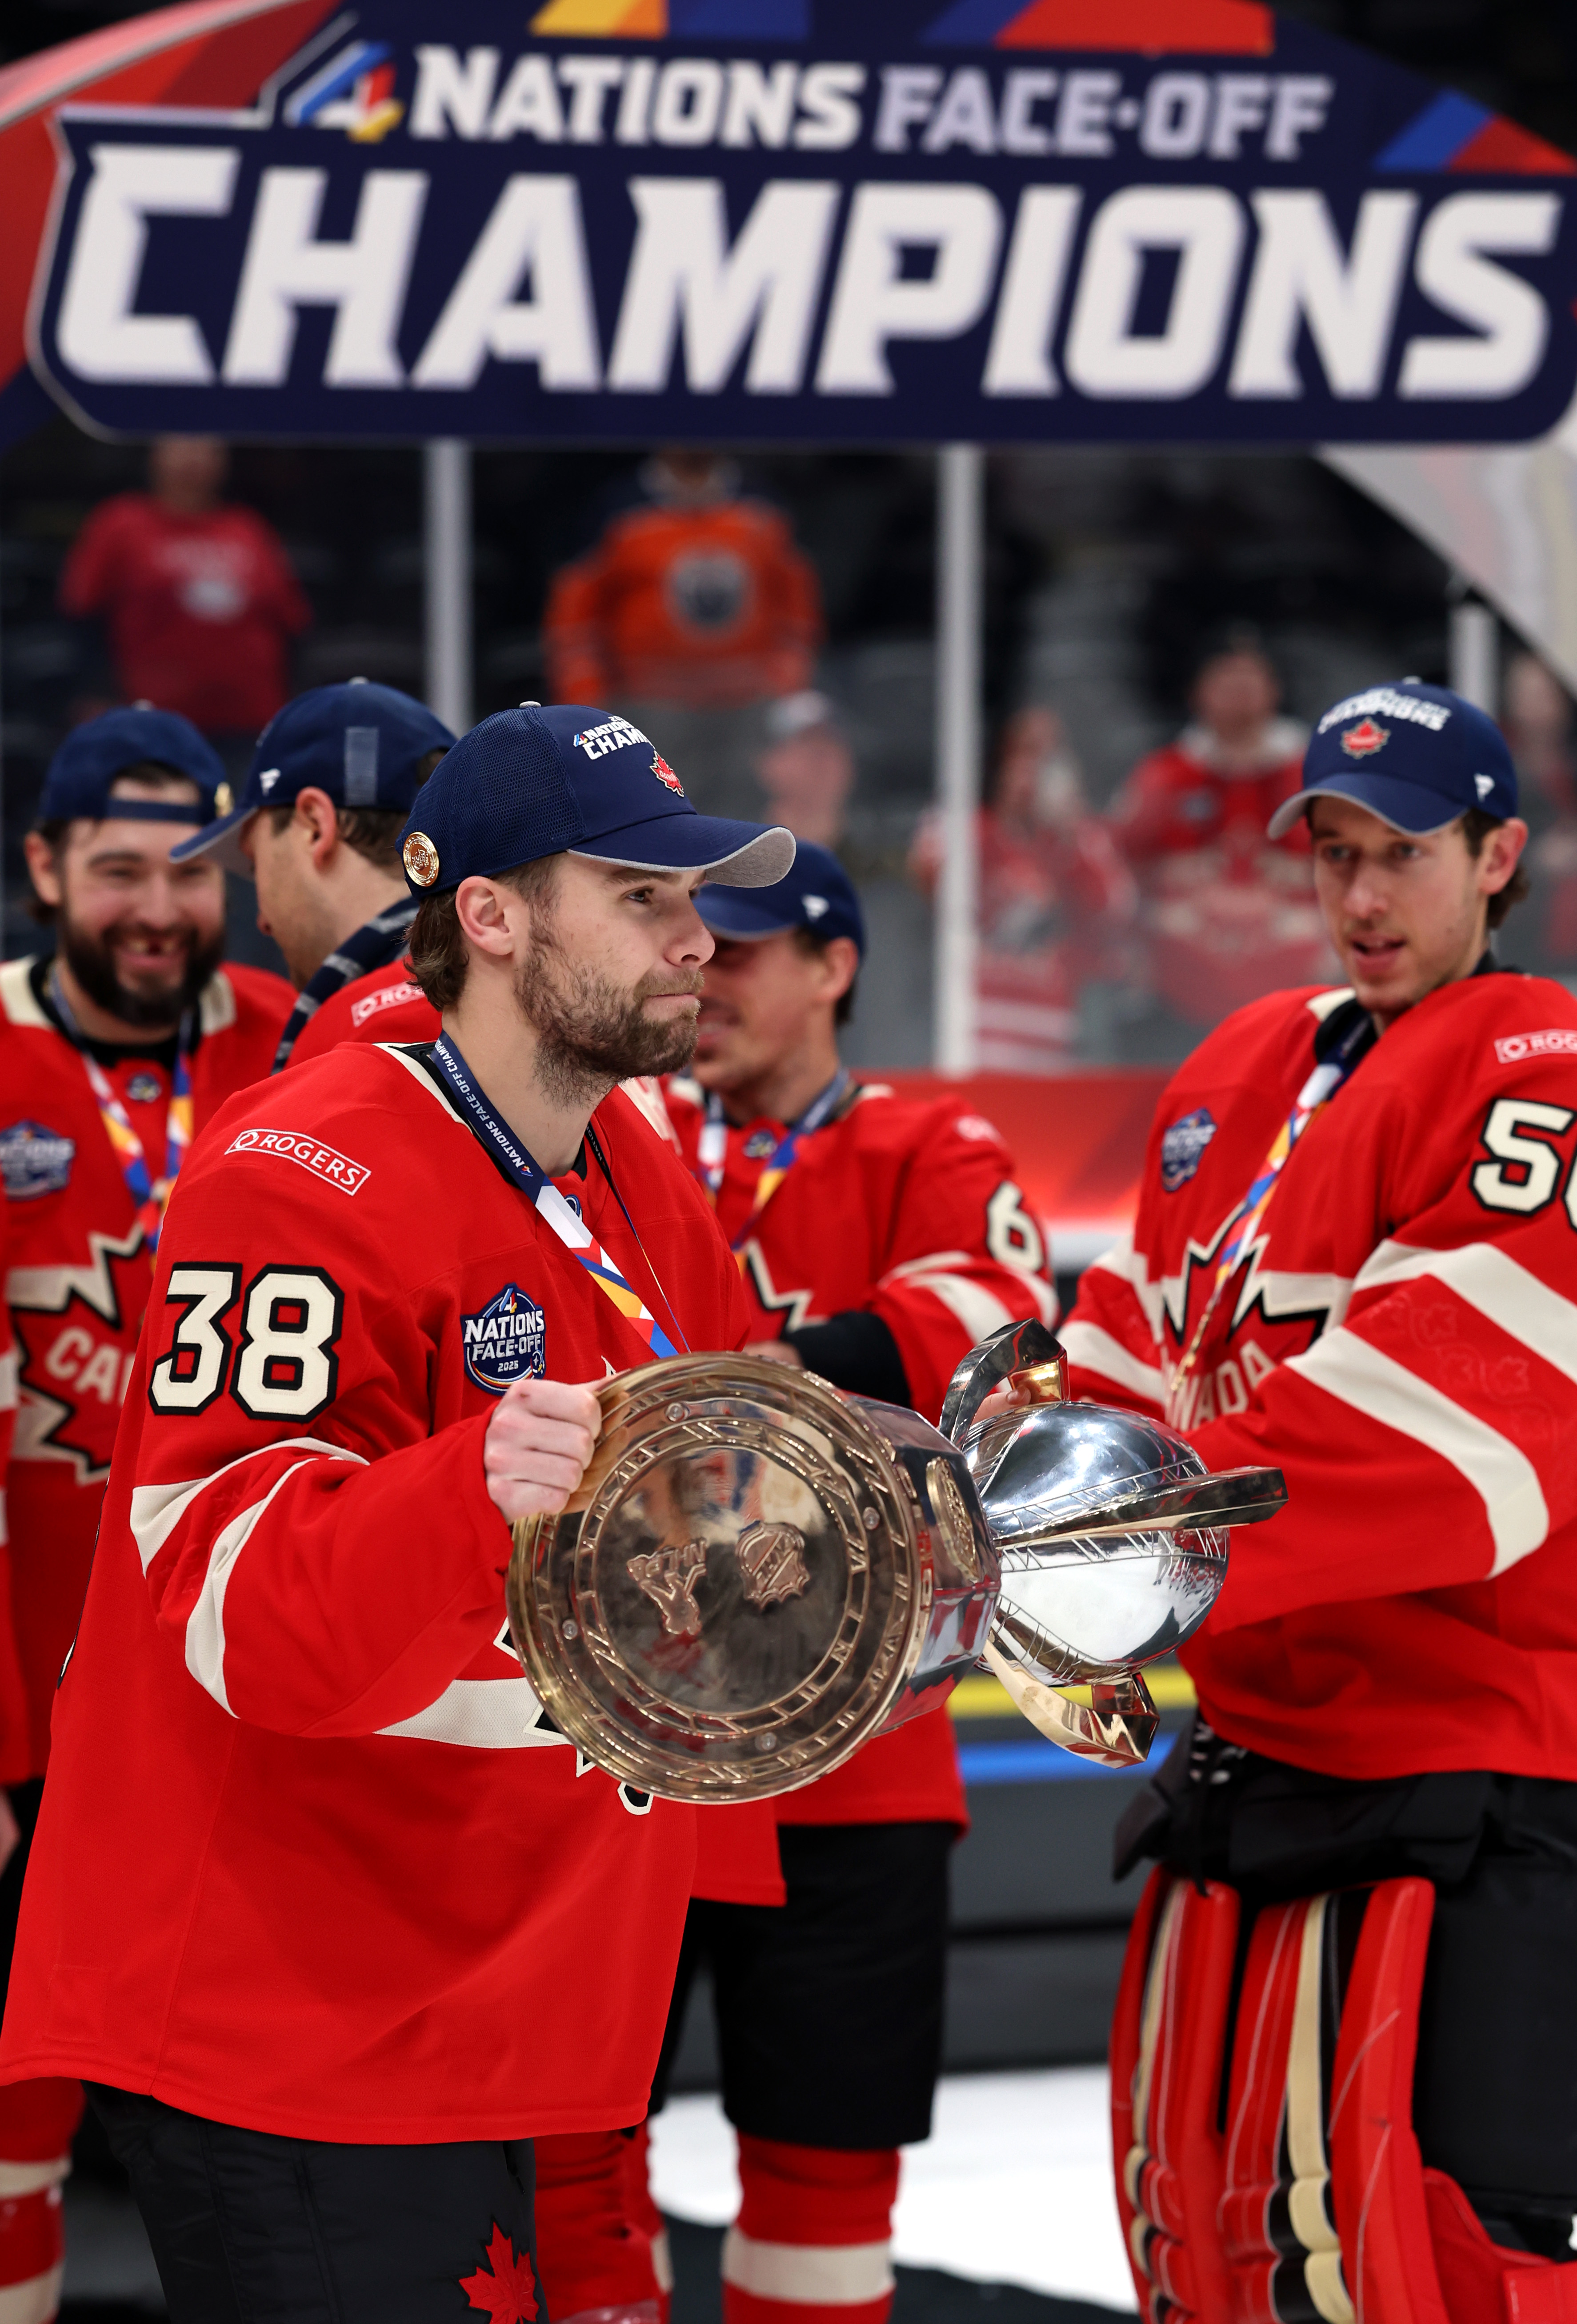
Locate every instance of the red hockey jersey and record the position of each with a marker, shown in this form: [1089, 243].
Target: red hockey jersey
[361, 1890]
[77, 1276]
[913, 1212]
[1403, 1343]
[383, 1005]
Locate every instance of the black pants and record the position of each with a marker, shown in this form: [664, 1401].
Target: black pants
[829, 2007]
[251, 2230]
[1495, 2088]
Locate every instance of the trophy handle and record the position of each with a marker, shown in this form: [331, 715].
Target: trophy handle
[1117, 1729]
[1026, 1355]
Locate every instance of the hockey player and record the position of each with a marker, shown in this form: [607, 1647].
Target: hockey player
[878, 1239]
[374, 1922]
[113, 1052]
[1355, 1257]
[333, 778]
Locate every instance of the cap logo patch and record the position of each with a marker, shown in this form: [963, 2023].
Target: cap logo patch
[815, 906]
[1483, 785]
[1413, 709]
[265, 782]
[224, 798]
[613, 734]
[420, 858]
[504, 1341]
[665, 774]
[1362, 741]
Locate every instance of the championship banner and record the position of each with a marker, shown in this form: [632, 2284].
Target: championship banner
[783, 220]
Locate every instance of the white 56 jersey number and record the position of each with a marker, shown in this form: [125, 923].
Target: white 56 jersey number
[275, 1345]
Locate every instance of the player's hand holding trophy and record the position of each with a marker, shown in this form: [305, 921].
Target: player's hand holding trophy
[760, 1572]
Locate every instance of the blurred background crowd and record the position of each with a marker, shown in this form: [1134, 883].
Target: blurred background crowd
[1159, 626]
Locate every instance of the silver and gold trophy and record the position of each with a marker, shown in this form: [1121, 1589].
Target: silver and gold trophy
[760, 1572]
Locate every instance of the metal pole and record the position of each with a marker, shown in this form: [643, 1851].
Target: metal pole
[446, 475]
[1475, 654]
[960, 562]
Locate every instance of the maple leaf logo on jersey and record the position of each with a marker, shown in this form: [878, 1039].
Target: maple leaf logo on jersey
[72, 1324]
[665, 774]
[1362, 741]
[509, 2294]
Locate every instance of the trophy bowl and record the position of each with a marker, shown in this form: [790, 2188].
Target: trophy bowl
[756, 1574]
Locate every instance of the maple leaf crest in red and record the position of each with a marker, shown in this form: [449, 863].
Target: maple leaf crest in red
[508, 2294]
[1362, 741]
[665, 774]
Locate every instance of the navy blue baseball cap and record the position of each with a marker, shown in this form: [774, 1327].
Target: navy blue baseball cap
[363, 744]
[93, 754]
[532, 782]
[1417, 756]
[818, 893]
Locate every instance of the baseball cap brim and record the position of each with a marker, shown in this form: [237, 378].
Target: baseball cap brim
[746, 914]
[1405, 806]
[222, 841]
[736, 855]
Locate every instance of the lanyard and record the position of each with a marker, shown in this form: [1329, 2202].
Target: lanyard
[550, 1204]
[712, 1149]
[1244, 1221]
[149, 1196]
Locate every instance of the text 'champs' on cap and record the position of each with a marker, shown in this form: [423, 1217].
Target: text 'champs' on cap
[363, 745]
[818, 894]
[1417, 756]
[572, 779]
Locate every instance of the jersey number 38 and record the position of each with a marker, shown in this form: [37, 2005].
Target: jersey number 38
[282, 1364]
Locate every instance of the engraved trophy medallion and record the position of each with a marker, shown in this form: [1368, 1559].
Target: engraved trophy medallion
[749, 1579]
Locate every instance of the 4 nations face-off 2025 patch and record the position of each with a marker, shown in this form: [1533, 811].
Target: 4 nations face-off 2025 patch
[779, 220]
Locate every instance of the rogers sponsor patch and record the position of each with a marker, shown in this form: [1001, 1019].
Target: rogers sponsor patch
[1559, 1041]
[309, 1153]
[392, 996]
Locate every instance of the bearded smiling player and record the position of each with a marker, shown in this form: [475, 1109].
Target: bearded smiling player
[1356, 1256]
[376, 1925]
[113, 1054]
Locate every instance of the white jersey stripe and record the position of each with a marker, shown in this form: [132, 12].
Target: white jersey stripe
[30, 2178]
[8, 1381]
[36, 2301]
[205, 1625]
[813, 2275]
[980, 1311]
[1490, 1280]
[157, 1509]
[1095, 1351]
[1348, 1368]
[485, 1714]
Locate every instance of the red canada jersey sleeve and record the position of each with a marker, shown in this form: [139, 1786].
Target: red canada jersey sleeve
[1402, 1343]
[15, 1761]
[293, 1739]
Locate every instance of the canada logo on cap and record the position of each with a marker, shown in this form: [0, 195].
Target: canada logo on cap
[1362, 741]
[665, 774]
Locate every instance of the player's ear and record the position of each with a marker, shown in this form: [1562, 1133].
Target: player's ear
[482, 908]
[1502, 851]
[316, 811]
[43, 870]
[841, 966]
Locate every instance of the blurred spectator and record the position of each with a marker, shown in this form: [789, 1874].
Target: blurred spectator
[1226, 914]
[1055, 899]
[806, 771]
[198, 594]
[694, 592]
[1539, 720]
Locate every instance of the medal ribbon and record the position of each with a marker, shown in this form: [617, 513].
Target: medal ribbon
[712, 1151]
[550, 1204]
[149, 1196]
[1244, 1220]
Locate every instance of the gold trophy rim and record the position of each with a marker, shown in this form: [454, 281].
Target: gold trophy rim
[573, 1711]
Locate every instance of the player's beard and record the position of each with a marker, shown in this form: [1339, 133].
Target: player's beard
[89, 955]
[591, 1032]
